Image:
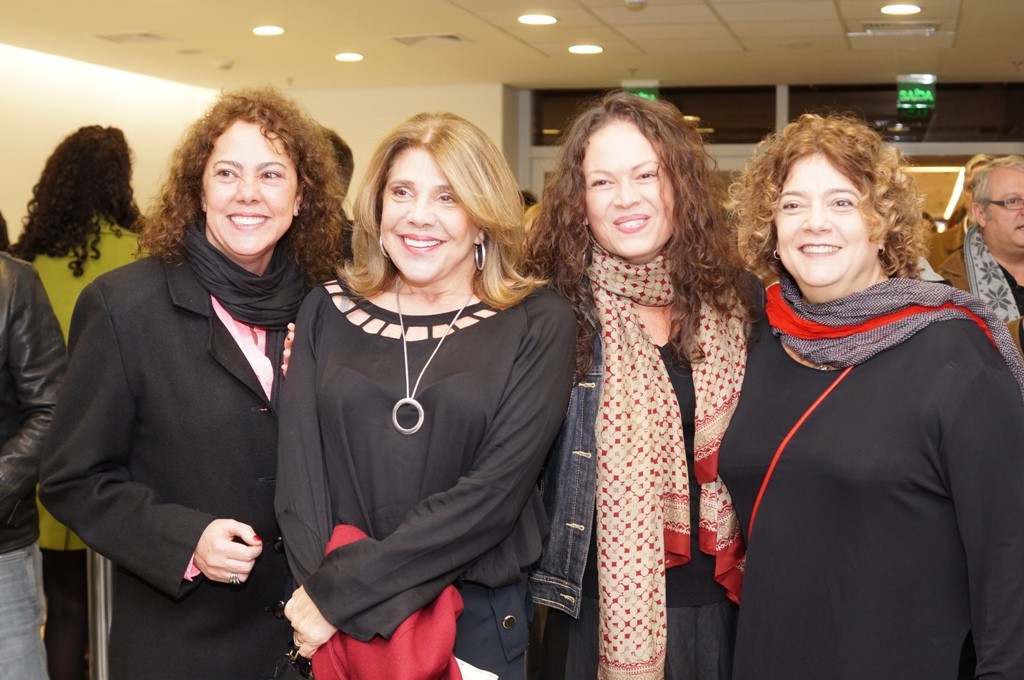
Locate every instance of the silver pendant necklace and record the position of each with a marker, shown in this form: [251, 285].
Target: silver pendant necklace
[410, 396]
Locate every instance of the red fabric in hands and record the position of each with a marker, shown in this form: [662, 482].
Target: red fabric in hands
[420, 649]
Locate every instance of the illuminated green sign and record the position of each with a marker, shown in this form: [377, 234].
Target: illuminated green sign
[915, 91]
[648, 89]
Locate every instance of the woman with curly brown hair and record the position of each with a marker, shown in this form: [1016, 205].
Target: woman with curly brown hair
[875, 453]
[163, 454]
[630, 232]
[80, 224]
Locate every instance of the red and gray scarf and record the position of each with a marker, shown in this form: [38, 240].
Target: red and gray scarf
[852, 329]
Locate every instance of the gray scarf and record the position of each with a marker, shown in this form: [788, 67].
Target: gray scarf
[852, 329]
[986, 278]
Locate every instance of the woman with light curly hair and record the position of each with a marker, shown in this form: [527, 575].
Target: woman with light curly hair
[163, 455]
[874, 455]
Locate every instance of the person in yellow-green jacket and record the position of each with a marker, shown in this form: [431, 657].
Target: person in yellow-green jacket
[80, 223]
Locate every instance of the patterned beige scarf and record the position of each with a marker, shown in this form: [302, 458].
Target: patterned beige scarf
[643, 506]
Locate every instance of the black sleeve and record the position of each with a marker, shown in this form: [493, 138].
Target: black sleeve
[86, 477]
[33, 361]
[982, 445]
[301, 500]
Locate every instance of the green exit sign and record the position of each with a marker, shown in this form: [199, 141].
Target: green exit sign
[648, 89]
[916, 91]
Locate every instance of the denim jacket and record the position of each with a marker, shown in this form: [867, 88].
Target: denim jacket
[569, 487]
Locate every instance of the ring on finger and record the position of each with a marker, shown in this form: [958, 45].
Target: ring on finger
[233, 579]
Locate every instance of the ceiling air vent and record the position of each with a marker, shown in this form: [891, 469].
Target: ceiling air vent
[140, 38]
[431, 39]
[900, 28]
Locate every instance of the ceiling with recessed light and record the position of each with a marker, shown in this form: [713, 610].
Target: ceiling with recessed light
[422, 42]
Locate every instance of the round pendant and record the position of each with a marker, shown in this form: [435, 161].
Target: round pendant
[408, 401]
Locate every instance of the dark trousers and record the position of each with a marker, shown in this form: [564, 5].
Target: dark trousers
[67, 613]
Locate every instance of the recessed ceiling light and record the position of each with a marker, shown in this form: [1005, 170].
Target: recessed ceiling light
[537, 19]
[267, 30]
[586, 49]
[348, 56]
[900, 10]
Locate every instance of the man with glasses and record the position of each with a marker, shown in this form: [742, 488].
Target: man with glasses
[991, 262]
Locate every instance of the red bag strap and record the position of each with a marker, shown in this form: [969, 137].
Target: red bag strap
[778, 452]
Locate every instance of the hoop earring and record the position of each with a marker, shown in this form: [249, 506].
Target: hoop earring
[480, 255]
[380, 242]
[775, 253]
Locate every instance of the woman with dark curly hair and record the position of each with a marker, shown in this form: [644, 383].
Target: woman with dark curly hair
[875, 453]
[83, 196]
[163, 454]
[80, 225]
[643, 563]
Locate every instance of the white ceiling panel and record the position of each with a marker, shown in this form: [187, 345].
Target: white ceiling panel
[800, 40]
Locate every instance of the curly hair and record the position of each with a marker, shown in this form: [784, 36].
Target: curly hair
[483, 185]
[315, 233]
[701, 260]
[890, 204]
[86, 182]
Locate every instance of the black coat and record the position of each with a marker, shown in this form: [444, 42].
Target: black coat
[162, 427]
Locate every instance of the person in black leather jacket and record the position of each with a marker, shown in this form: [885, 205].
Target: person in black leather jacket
[32, 361]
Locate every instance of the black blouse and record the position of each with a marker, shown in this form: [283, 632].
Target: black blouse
[455, 501]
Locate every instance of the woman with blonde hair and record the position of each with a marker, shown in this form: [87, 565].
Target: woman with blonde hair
[424, 389]
[874, 455]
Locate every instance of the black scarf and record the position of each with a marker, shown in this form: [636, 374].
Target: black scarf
[270, 301]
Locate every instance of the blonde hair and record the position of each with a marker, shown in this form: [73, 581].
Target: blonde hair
[483, 185]
[891, 206]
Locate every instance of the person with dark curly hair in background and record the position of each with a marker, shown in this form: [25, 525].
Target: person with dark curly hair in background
[80, 224]
[163, 454]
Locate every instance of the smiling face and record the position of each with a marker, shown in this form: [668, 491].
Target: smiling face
[426, 233]
[823, 239]
[250, 195]
[629, 201]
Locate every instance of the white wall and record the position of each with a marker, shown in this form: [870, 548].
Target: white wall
[46, 98]
[363, 116]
